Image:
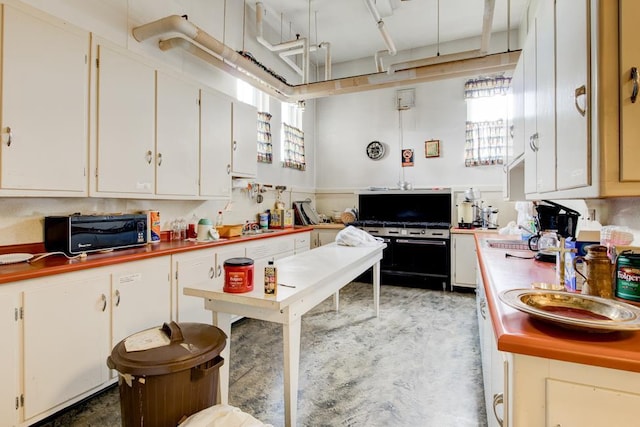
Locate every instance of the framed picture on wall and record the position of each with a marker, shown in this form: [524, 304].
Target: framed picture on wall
[432, 148]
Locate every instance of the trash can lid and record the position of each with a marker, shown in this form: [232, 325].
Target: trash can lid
[177, 347]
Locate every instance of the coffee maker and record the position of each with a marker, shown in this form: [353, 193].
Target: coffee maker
[554, 218]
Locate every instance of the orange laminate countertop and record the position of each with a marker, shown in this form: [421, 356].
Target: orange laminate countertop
[517, 332]
[57, 264]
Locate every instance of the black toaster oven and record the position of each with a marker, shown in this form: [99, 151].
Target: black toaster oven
[75, 234]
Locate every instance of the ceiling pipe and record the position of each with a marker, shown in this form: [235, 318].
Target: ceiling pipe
[327, 57]
[282, 92]
[298, 43]
[487, 24]
[214, 52]
[388, 41]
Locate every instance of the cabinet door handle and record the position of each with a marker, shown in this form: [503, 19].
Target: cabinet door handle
[498, 399]
[534, 142]
[149, 156]
[159, 159]
[104, 302]
[228, 169]
[117, 297]
[581, 91]
[235, 145]
[219, 272]
[636, 82]
[9, 137]
[212, 273]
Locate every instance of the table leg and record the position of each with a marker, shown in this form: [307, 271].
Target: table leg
[376, 287]
[291, 340]
[223, 321]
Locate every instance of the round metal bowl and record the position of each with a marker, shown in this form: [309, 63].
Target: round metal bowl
[574, 311]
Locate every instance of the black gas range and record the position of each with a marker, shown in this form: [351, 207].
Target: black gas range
[415, 226]
[418, 230]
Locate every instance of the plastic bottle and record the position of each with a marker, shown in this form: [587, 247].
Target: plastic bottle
[219, 219]
[270, 279]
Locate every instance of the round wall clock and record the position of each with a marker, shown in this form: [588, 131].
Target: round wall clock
[375, 150]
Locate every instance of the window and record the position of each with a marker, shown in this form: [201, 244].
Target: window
[250, 95]
[486, 133]
[292, 137]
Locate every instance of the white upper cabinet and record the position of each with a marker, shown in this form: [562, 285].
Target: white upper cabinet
[45, 84]
[630, 82]
[544, 138]
[245, 140]
[572, 95]
[215, 145]
[125, 124]
[528, 57]
[177, 136]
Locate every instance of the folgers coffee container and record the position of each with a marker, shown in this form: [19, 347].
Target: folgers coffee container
[238, 275]
[628, 276]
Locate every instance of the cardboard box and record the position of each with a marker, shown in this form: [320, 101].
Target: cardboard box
[281, 218]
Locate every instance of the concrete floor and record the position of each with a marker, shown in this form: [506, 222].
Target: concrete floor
[418, 364]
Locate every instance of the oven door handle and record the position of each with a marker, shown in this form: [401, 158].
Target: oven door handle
[422, 242]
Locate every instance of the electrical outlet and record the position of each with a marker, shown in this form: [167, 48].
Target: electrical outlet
[592, 214]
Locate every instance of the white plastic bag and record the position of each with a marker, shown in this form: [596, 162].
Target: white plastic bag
[352, 236]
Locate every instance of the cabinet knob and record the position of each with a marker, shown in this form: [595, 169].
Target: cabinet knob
[117, 297]
[235, 145]
[149, 156]
[228, 169]
[159, 159]
[104, 302]
[212, 273]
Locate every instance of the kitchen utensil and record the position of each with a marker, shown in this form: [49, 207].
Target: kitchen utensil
[14, 258]
[575, 311]
[600, 271]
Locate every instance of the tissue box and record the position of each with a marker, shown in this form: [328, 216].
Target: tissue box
[281, 218]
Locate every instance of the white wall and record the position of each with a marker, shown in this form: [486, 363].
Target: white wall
[349, 122]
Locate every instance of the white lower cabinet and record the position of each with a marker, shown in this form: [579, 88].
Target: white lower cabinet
[264, 250]
[463, 260]
[66, 330]
[320, 237]
[9, 358]
[70, 323]
[140, 297]
[202, 268]
[302, 242]
[528, 391]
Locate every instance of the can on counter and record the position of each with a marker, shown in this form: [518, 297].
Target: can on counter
[153, 226]
[628, 276]
[238, 275]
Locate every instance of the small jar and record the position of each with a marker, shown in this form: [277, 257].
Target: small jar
[238, 275]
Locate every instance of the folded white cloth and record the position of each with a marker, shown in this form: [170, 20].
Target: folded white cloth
[222, 416]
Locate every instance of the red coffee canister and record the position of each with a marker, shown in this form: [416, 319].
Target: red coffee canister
[238, 275]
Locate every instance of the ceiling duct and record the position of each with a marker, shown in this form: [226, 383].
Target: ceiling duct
[487, 26]
[204, 46]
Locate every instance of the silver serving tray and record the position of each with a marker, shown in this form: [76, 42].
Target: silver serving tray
[574, 311]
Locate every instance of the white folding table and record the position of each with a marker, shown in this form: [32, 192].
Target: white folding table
[316, 275]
